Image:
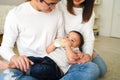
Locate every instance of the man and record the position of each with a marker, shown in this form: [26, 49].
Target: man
[33, 25]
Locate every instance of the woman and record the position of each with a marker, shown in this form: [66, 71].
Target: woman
[79, 16]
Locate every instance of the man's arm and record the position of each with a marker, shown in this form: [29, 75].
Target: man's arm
[11, 33]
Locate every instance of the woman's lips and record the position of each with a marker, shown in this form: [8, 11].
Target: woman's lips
[77, 0]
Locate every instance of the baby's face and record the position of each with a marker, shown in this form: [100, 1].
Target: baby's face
[74, 38]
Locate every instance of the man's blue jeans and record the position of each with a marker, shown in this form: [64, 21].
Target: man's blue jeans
[14, 74]
[42, 69]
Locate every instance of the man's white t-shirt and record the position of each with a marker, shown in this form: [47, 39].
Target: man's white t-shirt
[32, 31]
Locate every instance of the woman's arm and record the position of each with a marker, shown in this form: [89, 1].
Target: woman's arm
[89, 36]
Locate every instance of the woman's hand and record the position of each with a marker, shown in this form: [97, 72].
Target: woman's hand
[21, 62]
[74, 57]
[84, 58]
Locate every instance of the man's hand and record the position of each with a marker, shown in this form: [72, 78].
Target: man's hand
[21, 62]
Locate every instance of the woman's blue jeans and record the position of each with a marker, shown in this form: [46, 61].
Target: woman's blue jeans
[101, 64]
[86, 71]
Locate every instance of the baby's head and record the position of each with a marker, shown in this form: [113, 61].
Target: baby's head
[76, 39]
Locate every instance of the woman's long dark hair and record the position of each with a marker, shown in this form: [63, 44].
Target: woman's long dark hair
[31, 0]
[87, 9]
[28, 0]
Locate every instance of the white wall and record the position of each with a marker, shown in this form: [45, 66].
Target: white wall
[105, 11]
[11, 2]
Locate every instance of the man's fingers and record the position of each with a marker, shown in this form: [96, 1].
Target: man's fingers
[21, 62]
[26, 63]
[31, 62]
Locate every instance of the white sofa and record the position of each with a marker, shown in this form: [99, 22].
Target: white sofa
[4, 9]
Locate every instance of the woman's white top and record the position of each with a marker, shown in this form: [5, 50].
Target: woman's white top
[74, 22]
